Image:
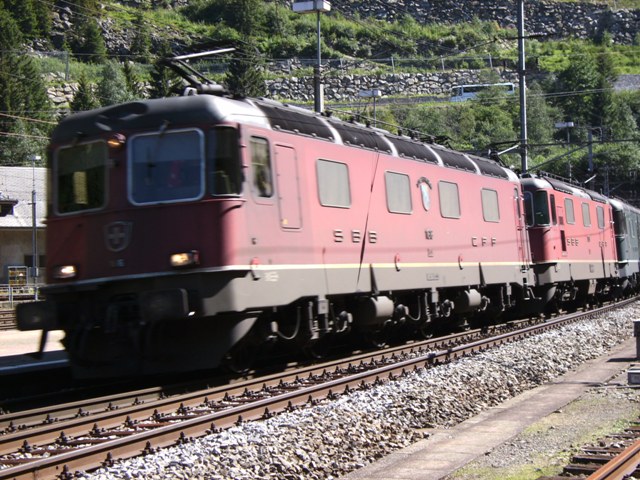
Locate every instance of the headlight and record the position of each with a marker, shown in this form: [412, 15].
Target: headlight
[116, 141]
[65, 271]
[185, 259]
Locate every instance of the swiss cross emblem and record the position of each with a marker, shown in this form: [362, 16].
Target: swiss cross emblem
[117, 235]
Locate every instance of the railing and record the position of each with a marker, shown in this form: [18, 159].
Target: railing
[10, 294]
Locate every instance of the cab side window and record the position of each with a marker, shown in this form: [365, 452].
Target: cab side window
[261, 166]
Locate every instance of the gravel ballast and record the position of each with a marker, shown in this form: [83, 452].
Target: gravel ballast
[339, 436]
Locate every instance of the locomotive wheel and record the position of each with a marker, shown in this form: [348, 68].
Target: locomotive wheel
[318, 349]
[241, 358]
[377, 338]
[426, 331]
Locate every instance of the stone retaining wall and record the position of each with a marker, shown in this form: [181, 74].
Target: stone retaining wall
[348, 87]
[342, 88]
[556, 19]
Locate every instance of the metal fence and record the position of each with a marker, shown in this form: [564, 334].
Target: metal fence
[12, 294]
[60, 65]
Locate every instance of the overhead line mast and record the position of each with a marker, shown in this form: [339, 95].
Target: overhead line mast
[523, 89]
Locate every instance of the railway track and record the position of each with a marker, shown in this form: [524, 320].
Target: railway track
[614, 458]
[86, 435]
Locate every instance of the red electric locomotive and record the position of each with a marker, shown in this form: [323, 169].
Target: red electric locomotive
[573, 243]
[186, 231]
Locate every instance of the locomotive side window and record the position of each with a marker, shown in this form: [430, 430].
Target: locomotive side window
[449, 199]
[398, 190]
[554, 217]
[224, 173]
[261, 166]
[536, 208]
[528, 208]
[568, 210]
[333, 184]
[166, 167]
[490, 207]
[80, 176]
[586, 215]
[600, 216]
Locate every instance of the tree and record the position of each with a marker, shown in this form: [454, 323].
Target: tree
[586, 85]
[25, 107]
[619, 118]
[24, 13]
[141, 45]
[84, 99]
[85, 8]
[134, 85]
[44, 15]
[163, 81]
[607, 77]
[245, 75]
[112, 87]
[245, 16]
[90, 46]
[541, 117]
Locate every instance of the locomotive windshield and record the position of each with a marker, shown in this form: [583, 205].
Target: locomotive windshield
[79, 174]
[166, 166]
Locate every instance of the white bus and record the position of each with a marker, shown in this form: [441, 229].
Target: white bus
[466, 92]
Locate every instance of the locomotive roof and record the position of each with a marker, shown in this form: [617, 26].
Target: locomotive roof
[145, 114]
[304, 122]
[619, 204]
[208, 109]
[544, 181]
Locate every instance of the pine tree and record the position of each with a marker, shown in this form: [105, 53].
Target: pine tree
[91, 46]
[112, 87]
[44, 16]
[580, 76]
[24, 13]
[85, 8]
[244, 15]
[134, 85]
[245, 75]
[141, 45]
[23, 102]
[163, 80]
[84, 98]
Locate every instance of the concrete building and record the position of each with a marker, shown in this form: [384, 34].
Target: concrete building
[17, 185]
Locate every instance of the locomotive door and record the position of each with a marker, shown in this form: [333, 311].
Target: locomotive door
[288, 187]
[521, 232]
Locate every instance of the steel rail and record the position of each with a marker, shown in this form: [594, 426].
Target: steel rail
[85, 416]
[68, 412]
[621, 466]
[200, 424]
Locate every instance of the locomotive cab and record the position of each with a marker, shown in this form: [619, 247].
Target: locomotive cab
[145, 200]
